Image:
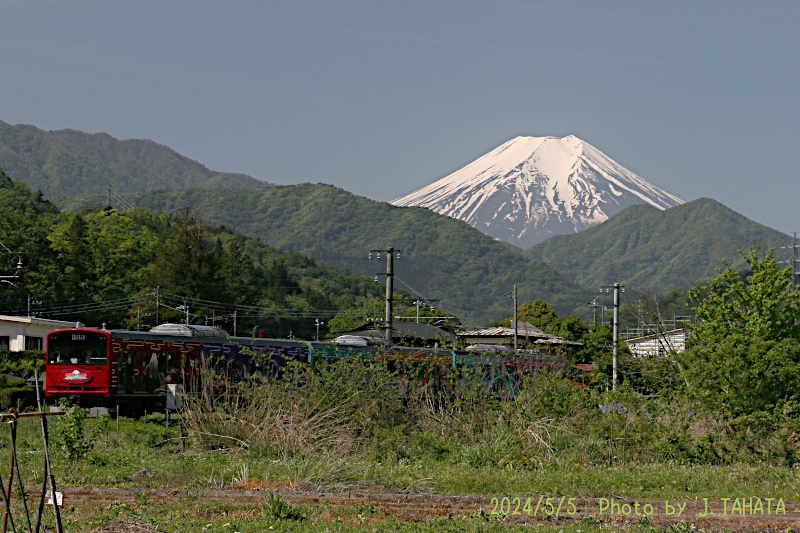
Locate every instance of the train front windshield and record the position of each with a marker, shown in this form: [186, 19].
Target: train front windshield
[77, 348]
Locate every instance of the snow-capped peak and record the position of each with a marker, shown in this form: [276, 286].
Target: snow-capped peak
[530, 188]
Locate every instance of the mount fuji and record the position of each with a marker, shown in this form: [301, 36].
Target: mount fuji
[531, 188]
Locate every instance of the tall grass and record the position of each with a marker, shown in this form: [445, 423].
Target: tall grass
[351, 411]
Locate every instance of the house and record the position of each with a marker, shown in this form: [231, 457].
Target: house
[406, 333]
[19, 333]
[528, 336]
[660, 343]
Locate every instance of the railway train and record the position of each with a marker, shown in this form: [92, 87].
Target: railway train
[100, 367]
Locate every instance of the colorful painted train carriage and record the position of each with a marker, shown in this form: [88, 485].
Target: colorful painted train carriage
[108, 367]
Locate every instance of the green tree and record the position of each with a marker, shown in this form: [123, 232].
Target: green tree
[186, 263]
[744, 356]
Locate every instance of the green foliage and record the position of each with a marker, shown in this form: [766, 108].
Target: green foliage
[277, 507]
[13, 396]
[441, 257]
[187, 263]
[103, 255]
[648, 307]
[745, 358]
[21, 363]
[70, 438]
[541, 315]
[645, 247]
[375, 308]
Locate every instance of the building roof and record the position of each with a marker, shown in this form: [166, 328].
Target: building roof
[530, 333]
[655, 335]
[409, 329]
[37, 321]
[524, 329]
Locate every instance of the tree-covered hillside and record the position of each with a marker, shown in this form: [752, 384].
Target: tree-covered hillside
[104, 266]
[645, 247]
[441, 257]
[68, 162]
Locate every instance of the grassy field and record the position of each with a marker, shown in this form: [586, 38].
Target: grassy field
[146, 454]
[341, 450]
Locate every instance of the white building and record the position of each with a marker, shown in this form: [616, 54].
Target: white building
[19, 333]
[660, 343]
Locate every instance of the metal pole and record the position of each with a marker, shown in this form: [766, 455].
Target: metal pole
[234, 323]
[516, 324]
[48, 470]
[389, 291]
[19, 474]
[616, 335]
[794, 261]
[318, 324]
[6, 497]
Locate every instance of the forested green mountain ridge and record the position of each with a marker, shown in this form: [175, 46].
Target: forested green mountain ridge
[441, 257]
[645, 247]
[104, 266]
[69, 162]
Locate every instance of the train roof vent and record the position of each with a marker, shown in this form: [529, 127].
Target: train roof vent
[352, 340]
[189, 331]
[488, 348]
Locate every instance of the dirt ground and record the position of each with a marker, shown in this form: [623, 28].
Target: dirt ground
[742, 515]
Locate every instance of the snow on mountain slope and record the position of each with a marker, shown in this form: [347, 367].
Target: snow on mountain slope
[533, 187]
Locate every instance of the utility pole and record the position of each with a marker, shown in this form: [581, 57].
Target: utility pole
[34, 302]
[615, 363]
[594, 306]
[389, 286]
[186, 310]
[389, 293]
[794, 261]
[234, 323]
[417, 304]
[516, 326]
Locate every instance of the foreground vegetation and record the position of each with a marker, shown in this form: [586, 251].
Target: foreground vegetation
[349, 429]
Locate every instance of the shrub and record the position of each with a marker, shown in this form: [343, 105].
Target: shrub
[69, 438]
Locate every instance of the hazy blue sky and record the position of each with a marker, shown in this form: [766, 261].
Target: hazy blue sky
[381, 98]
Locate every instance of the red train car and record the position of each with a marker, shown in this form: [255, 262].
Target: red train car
[104, 367]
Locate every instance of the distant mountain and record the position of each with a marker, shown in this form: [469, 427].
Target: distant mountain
[68, 162]
[648, 248]
[531, 188]
[441, 257]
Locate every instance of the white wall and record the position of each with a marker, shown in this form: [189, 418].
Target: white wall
[17, 328]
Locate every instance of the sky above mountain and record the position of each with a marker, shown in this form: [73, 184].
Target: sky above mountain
[382, 98]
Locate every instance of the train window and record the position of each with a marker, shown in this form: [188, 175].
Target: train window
[70, 348]
[419, 371]
[168, 361]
